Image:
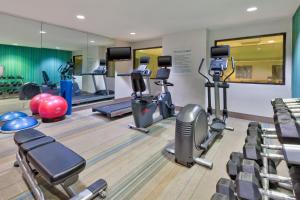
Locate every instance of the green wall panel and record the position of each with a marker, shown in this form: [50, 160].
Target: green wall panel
[29, 62]
[296, 55]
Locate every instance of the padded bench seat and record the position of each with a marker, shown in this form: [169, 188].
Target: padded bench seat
[28, 135]
[28, 146]
[55, 162]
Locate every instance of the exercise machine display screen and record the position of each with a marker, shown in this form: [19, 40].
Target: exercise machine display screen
[144, 60]
[219, 64]
[220, 51]
[164, 61]
[119, 53]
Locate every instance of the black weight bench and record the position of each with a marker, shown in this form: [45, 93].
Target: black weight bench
[55, 163]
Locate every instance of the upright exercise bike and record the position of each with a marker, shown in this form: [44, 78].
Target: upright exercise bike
[144, 106]
[194, 135]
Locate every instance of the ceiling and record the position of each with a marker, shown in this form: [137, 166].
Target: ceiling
[148, 18]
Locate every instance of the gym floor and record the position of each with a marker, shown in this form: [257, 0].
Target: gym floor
[134, 164]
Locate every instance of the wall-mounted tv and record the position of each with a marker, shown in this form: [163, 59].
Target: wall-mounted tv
[164, 61]
[119, 53]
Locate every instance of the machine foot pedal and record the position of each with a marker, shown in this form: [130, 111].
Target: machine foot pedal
[144, 130]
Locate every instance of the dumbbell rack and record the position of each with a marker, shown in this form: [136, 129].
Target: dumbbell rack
[251, 177]
[10, 86]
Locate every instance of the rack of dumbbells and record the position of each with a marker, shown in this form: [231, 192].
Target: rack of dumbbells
[10, 86]
[253, 173]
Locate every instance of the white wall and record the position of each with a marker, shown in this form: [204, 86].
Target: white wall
[189, 87]
[122, 84]
[255, 98]
[147, 44]
[91, 57]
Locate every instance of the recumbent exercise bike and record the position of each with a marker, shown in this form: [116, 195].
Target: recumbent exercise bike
[144, 106]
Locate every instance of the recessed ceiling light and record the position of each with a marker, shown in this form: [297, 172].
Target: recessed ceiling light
[132, 33]
[92, 41]
[16, 44]
[80, 16]
[251, 9]
[43, 32]
[271, 41]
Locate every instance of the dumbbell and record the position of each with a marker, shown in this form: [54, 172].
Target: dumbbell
[287, 102]
[295, 176]
[290, 153]
[287, 128]
[250, 166]
[235, 165]
[19, 77]
[10, 91]
[261, 132]
[247, 187]
[255, 124]
[6, 84]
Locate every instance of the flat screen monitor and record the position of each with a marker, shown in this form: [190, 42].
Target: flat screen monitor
[164, 61]
[119, 53]
[220, 51]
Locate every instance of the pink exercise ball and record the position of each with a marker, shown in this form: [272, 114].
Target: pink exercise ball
[53, 108]
[35, 102]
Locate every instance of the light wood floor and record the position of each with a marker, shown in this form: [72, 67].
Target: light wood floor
[133, 163]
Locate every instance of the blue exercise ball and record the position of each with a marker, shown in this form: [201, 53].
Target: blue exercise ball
[19, 124]
[12, 115]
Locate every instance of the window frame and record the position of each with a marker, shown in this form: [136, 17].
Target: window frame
[257, 36]
[146, 48]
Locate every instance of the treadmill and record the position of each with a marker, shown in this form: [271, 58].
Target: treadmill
[106, 94]
[124, 107]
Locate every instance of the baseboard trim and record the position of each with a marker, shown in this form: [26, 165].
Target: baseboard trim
[245, 116]
[251, 117]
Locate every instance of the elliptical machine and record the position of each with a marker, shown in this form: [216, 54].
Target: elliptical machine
[144, 106]
[192, 136]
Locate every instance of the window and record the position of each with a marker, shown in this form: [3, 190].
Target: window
[258, 59]
[153, 53]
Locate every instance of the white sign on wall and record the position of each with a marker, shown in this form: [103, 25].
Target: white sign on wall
[182, 61]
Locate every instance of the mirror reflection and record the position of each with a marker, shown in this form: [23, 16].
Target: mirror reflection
[41, 55]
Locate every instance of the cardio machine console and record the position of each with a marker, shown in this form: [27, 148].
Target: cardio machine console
[219, 64]
[219, 55]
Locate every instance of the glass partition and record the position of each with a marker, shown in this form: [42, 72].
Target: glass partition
[31, 51]
[20, 52]
[97, 46]
[61, 46]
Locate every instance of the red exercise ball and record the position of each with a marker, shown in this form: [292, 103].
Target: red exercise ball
[35, 102]
[53, 108]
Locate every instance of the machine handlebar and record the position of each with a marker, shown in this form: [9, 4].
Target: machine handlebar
[233, 69]
[199, 70]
